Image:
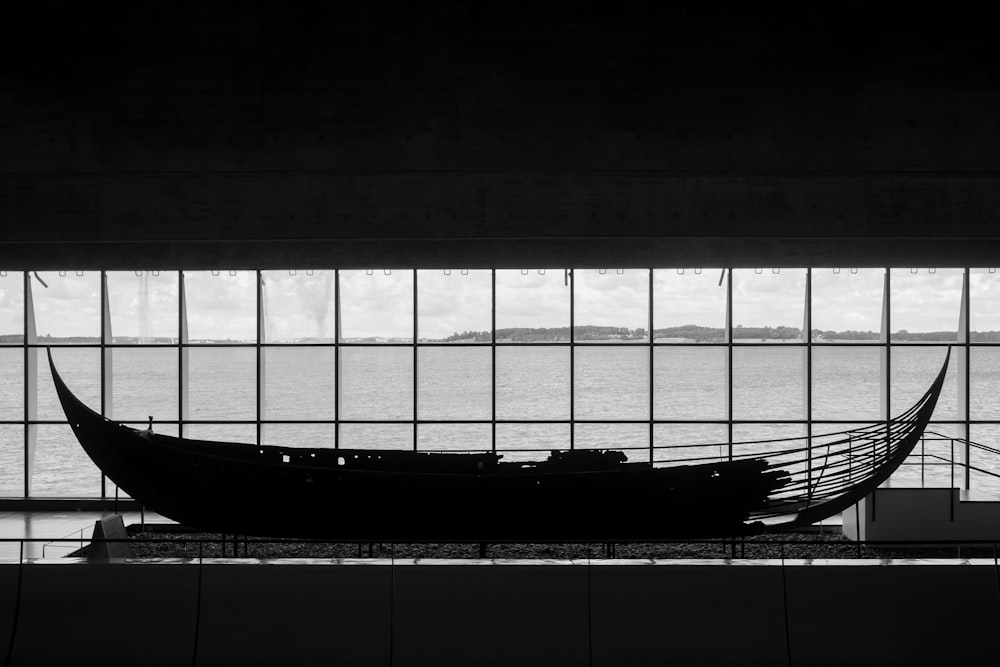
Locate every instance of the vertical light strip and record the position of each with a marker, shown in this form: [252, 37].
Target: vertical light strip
[30, 403]
[649, 329]
[729, 360]
[884, 349]
[182, 354]
[965, 371]
[261, 368]
[415, 360]
[493, 358]
[107, 365]
[887, 365]
[807, 370]
[570, 273]
[337, 358]
[31, 383]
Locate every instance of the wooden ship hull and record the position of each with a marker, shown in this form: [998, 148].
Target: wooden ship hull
[380, 495]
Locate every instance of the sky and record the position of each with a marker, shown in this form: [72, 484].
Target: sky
[300, 304]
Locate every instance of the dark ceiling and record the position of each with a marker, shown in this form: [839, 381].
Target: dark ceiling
[353, 134]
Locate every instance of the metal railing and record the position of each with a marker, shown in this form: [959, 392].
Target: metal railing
[953, 462]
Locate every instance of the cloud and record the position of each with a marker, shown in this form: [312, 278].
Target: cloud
[846, 301]
[612, 299]
[377, 304]
[224, 306]
[133, 298]
[532, 300]
[221, 307]
[69, 306]
[453, 303]
[299, 306]
[688, 298]
[925, 301]
[768, 298]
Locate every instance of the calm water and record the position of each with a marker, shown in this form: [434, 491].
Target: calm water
[532, 383]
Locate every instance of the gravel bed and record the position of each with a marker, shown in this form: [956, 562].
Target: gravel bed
[181, 544]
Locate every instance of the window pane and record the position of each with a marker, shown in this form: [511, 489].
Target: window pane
[912, 371]
[456, 306]
[531, 442]
[454, 383]
[454, 437]
[930, 462]
[925, 306]
[11, 461]
[611, 305]
[222, 383]
[836, 438]
[80, 369]
[938, 454]
[765, 439]
[689, 306]
[221, 308]
[11, 308]
[299, 306]
[62, 467]
[768, 306]
[988, 435]
[631, 439]
[768, 383]
[11, 384]
[846, 383]
[299, 382]
[847, 305]
[533, 383]
[299, 435]
[678, 442]
[984, 305]
[612, 383]
[376, 436]
[376, 308]
[144, 383]
[984, 382]
[376, 383]
[241, 433]
[143, 307]
[532, 307]
[690, 383]
[69, 309]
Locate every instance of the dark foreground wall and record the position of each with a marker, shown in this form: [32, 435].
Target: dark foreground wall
[358, 133]
[611, 613]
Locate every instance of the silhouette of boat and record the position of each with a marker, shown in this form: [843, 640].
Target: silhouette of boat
[379, 495]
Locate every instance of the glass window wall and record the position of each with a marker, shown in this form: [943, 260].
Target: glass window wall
[481, 360]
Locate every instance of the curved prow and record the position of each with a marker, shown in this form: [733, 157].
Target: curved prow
[81, 418]
[71, 405]
[851, 465]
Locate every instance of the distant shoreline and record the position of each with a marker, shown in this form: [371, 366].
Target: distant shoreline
[681, 335]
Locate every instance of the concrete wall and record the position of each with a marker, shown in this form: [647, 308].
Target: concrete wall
[360, 133]
[485, 613]
[922, 514]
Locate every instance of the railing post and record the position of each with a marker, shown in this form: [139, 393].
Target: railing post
[951, 491]
[850, 459]
[968, 463]
[923, 459]
[953, 463]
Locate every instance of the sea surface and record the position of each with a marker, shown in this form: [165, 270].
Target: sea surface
[454, 384]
